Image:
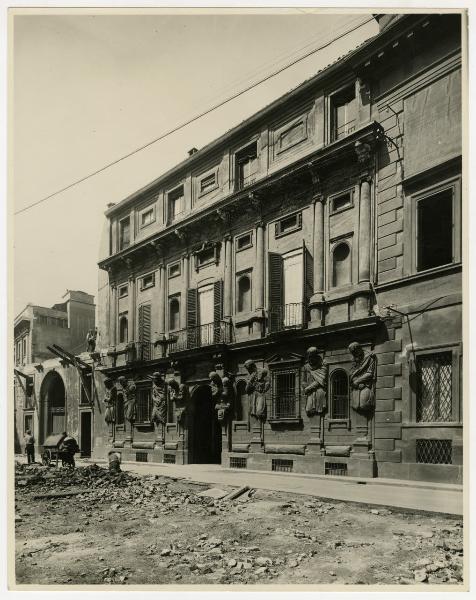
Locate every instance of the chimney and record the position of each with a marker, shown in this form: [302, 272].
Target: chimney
[192, 151]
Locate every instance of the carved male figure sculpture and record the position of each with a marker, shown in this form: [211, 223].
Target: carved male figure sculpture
[362, 378]
[315, 383]
[91, 338]
[179, 396]
[220, 394]
[257, 387]
[159, 399]
[110, 401]
[129, 388]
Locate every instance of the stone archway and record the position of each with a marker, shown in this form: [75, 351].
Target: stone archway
[53, 405]
[205, 432]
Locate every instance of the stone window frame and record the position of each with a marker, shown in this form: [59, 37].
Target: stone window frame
[120, 232]
[143, 386]
[121, 316]
[338, 368]
[241, 236]
[170, 299]
[235, 162]
[281, 366]
[346, 238]
[143, 284]
[206, 174]
[172, 195]
[278, 230]
[149, 208]
[29, 413]
[120, 291]
[173, 265]
[351, 191]
[280, 132]
[456, 385]
[206, 247]
[248, 273]
[331, 106]
[421, 192]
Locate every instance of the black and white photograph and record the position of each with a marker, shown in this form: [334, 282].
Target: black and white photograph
[237, 241]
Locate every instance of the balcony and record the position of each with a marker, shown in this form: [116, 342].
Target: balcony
[219, 332]
[133, 352]
[286, 317]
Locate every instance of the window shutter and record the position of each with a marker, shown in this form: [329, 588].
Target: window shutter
[218, 300]
[307, 279]
[218, 311]
[192, 330]
[275, 291]
[144, 331]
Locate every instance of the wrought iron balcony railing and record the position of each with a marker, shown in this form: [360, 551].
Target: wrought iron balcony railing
[342, 130]
[286, 316]
[244, 182]
[219, 332]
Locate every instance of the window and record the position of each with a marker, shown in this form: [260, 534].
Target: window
[206, 256]
[343, 113]
[288, 224]
[285, 394]
[434, 387]
[174, 269]
[147, 216]
[244, 293]
[341, 265]
[123, 329]
[144, 405]
[342, 201]
[339, 395]
[23, 350]
[244, 241]
[123, 291]
[28, 424]
[147, 281]
[174, 313]
[435, 242]
[124, 233]
[83, 398]
[246, 166]
[434, 451]
[176, 203]
[208, 183]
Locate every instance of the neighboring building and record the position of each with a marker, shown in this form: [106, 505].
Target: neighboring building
[46, 391]
[294, 230]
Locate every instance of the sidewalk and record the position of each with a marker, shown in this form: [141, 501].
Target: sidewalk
[416, 495]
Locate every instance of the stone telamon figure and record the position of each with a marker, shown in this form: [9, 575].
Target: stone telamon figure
[257, 387]
[363, 376]
[221, 394]
[129, 388]
[159, 399]
[179, 395]
[91, 338]
[314, 382]
[110, 401]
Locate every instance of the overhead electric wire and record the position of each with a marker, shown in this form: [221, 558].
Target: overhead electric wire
[194, 118]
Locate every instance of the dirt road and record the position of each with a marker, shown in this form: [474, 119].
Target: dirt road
[131, 529]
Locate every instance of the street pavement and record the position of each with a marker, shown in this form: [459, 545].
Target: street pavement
[414, 495]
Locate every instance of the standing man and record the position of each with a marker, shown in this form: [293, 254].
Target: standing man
[29, 446]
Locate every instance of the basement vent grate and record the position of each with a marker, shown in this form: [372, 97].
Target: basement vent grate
[335, 468]
[237, 462]
[434, 452]
[169, 459]
[280, 464]
[142, 457]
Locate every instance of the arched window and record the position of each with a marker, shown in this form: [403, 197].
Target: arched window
[174, 314]
[339, 395]
[244, 294]
[341, 274]
[123, 329]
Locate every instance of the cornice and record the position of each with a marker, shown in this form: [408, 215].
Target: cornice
[370, 134]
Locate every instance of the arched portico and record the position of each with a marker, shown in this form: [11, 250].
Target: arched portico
[53, 405]
[204, 429]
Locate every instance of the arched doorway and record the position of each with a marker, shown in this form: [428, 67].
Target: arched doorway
[53, 403]
[205, 432]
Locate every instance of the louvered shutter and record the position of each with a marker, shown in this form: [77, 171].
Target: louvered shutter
[275, 291]
[144, 331]
[217, 311]
[192, 329]
[307, 279]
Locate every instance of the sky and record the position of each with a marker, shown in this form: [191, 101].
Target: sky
[90, 88]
